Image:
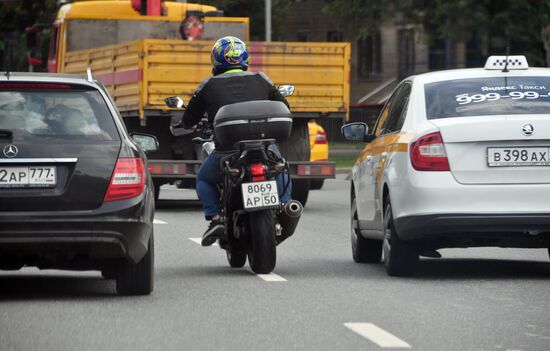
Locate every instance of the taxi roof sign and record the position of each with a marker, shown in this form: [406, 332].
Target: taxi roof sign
[499, 62]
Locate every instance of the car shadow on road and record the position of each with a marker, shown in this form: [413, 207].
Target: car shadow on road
[179, 204]
[428, 269]
[30, 287]
[493, 269]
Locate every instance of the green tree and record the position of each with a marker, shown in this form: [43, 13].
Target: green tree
[255, 10]
[495, 24]
[15, 16]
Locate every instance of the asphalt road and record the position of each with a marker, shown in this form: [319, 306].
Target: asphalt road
[319, 299]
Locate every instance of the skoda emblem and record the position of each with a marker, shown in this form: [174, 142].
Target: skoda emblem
[528, 129]
[10, 150]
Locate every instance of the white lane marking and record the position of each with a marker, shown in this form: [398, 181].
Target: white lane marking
[199, 240]
[158, 221]
[272, 277]
[377, 335]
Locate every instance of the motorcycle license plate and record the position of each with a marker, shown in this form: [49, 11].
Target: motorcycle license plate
[260, 194]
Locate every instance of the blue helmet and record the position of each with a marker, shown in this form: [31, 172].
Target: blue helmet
[229, 53]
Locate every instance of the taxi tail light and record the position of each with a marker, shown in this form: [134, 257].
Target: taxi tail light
[258, 171]
[428, 153]
[320, 138]
[127, 180]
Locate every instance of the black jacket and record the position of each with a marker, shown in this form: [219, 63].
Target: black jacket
[228, 88]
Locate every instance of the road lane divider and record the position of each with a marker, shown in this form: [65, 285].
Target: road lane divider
[199, 240]
[271, 277]
[377, 335]
[158, 221]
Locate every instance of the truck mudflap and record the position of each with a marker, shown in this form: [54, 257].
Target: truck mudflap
[181, 169]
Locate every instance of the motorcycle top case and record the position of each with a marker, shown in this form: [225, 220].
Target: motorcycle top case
[250, 120]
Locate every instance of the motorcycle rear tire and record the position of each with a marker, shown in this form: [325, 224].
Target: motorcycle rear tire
[262, 253]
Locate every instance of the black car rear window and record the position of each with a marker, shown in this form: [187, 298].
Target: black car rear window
[58, 111]
[488, 96]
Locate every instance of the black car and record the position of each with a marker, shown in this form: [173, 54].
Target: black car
[75, 190]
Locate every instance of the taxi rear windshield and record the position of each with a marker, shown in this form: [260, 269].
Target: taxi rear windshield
[56, 112]
[488, 96]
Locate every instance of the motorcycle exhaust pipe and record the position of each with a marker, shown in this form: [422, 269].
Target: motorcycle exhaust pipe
[289, 218]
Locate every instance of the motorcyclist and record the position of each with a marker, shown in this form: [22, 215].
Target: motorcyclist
[230, 83]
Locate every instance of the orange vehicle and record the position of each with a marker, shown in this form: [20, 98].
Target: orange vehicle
[319, 149]
[142, 57]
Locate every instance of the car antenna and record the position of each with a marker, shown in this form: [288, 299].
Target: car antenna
[8, 75]
[89, 75]
[505, 70]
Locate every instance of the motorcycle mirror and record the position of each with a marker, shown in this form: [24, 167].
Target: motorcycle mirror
[286, 90]
[174, 102]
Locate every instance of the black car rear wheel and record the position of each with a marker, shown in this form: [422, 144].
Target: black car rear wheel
[137, 279]
[400, 257]
[363, 250]
[262, 255]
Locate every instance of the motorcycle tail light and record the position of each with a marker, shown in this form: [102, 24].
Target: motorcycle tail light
[258, 172]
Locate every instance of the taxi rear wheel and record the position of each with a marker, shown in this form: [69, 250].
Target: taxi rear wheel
[363, 250]
[400, 257]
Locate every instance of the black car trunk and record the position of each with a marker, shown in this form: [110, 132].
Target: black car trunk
[58, 147]
[82, 173]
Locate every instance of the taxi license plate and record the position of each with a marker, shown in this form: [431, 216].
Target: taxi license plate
[518, 156]
[28, 177]
[260, 194]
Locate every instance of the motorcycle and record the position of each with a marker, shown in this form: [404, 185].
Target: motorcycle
[254, 218]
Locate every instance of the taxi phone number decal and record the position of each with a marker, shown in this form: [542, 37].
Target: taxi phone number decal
[464, 99]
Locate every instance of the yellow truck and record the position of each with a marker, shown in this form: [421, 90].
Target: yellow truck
[143, 59]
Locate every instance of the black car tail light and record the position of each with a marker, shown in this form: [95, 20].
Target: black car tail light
[127, 181]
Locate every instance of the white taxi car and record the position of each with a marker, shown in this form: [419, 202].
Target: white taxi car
[457, 158]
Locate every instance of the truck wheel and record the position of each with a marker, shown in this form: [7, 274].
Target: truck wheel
[300, 190]
[156, 186]
[297, 148]
[400, 257]
[235, 258]
[262, 254]
[138, 278]
[363, 250]
[317, 184]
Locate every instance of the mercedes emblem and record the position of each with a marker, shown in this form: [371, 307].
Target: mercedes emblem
[10, 150]
[528, 129]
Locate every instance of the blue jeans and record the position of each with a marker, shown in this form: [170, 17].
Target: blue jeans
[210, 176]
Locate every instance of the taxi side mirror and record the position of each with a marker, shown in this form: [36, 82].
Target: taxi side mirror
[357, 131]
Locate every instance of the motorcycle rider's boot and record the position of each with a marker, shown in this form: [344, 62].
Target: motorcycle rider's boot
[213, 233]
